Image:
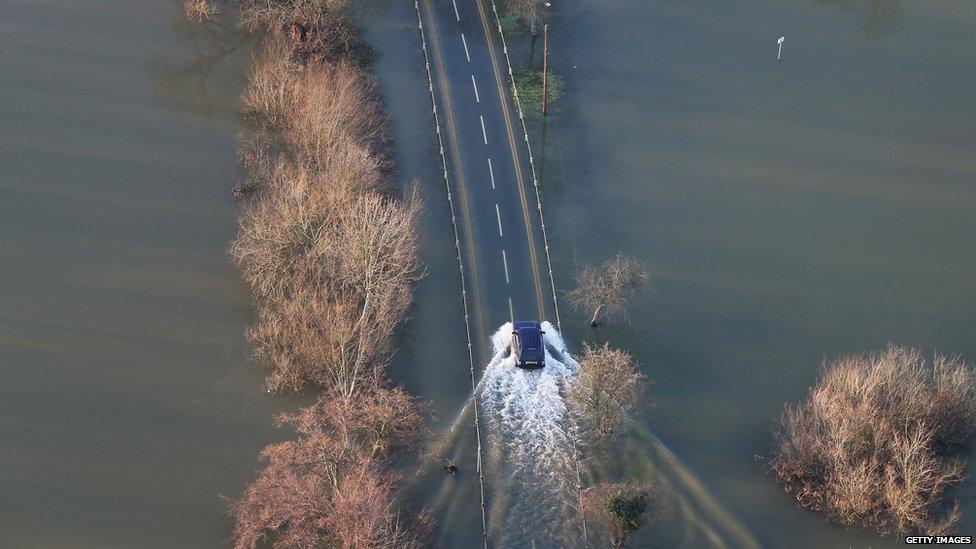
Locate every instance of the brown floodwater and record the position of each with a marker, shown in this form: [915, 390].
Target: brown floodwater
[788, 211]
[128, 400]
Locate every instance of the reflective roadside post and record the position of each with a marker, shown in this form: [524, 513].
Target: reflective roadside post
[779, 54]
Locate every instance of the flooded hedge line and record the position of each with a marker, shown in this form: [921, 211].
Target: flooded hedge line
[329, 249]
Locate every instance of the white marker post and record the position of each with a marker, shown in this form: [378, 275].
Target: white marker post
[779, 54]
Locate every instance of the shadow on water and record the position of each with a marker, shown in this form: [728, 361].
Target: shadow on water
[699, 519]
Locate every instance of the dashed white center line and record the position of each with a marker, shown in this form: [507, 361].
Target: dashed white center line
[505, 263]
[465, 42]
[475, 84]
[491, 172]
[484, 134]
[456, 14]
[498, 215]
[511, 311]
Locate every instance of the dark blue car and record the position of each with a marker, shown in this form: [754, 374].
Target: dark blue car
[530, 352]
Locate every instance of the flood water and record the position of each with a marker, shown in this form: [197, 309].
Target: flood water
[788, 211]
[128, 402]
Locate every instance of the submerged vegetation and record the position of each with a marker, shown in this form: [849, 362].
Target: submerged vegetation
[877, 441]
[616, 511]
[329, 250]
[607, 392]
[333, 486]
[529, 12]
[610, 289]
[529, 81]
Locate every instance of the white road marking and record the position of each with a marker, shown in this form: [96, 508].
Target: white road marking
[477, 99]
[456, 14]
[505, 263]
[465, 42]
[511, 312]
[491, 172]
[484, 134]
[498, 215]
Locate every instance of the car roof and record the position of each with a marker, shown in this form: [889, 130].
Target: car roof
[530, 336]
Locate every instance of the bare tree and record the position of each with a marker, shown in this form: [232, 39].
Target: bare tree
[332, 271]
[332, 486]
[608, 290]
[201, 10]
[330, 256]
[876, 442]
[618, 510]
[608, 390]
[529, 11]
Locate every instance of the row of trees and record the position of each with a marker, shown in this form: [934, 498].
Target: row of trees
[330, 252]
[609, 392]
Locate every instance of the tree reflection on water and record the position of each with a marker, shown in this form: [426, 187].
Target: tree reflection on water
[879, 16]
[214, 56]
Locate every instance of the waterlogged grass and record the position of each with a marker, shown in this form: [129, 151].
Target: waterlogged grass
[528, 80]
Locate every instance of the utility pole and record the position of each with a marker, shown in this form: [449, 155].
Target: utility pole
[779, 52]
[545, 67]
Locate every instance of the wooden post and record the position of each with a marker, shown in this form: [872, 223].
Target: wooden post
[545, 67]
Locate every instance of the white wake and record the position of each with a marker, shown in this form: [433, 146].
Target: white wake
[531, 441]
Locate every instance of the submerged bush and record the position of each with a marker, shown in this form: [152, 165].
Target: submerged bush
[877, 440]
[615, 511]
[529, 84]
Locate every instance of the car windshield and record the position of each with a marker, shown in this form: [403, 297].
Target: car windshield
[530, 338]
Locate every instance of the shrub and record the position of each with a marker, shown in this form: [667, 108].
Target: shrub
[318, 31]
[876, 441]
[201, 10]
[331, 258]
[529, 83]
[331, 486]
[332, 269]
[618, 510]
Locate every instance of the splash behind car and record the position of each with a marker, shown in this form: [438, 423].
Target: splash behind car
[527, 345]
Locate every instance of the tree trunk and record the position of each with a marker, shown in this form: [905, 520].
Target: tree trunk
[595, 321]
[618, 539]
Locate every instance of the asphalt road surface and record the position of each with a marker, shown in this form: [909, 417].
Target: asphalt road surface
[498, 218]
